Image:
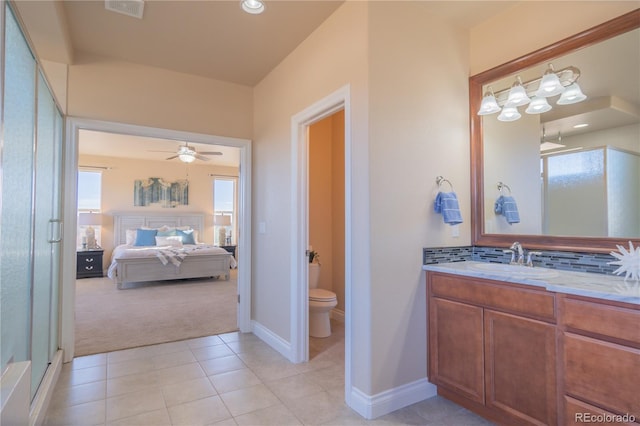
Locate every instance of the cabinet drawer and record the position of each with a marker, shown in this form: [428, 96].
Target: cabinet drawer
[602, 373]
[537, 304]
[603, 320]
[578, 413]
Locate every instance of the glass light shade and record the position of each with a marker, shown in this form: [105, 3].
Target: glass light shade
[186, 158]
[517, 96]
[549, 85]
[489, 104]
[509, 114]
[254, 7]
[571, 95]
[538, 106]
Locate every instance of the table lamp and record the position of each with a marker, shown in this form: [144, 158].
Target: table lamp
[89, 220]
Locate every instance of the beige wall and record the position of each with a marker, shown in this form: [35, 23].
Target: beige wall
[123, 92]
[117, 189]
[326, 201]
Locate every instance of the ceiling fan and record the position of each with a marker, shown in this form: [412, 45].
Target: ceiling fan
[188, 154]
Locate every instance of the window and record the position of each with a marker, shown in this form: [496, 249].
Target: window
[224, 208]
[89, 201]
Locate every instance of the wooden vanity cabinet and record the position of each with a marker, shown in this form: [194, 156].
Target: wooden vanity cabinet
[492, 348]
[600, 358]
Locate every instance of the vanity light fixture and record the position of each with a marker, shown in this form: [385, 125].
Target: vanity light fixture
[581, 125]
[254, 7]
[535, 93]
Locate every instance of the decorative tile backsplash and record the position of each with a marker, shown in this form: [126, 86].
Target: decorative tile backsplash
[564, 260]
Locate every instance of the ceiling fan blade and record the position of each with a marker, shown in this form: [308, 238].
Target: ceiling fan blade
[201, 157]
[172, 157]
[158, 151]
[210, 153]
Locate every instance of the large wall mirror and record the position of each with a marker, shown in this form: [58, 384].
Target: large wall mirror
[573, 170]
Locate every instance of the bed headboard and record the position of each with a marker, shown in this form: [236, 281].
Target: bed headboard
[133, 220]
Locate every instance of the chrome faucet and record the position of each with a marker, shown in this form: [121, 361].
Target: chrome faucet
[530, 257]
[517, 247]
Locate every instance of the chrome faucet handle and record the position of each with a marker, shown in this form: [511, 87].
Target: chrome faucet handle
[513, 255]
[530, 257]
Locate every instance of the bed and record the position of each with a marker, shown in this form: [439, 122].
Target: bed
[166, 260]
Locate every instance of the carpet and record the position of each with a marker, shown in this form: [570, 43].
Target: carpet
[108, 319]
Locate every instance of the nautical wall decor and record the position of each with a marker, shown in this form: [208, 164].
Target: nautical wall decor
[157, 192]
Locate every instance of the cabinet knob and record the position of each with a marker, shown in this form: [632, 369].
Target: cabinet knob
[88, 268]
[89, 259]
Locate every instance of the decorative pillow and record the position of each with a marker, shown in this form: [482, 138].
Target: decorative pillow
[174, 241]
[186, 235]
[145, 237]
[130, 236]
[166, 232]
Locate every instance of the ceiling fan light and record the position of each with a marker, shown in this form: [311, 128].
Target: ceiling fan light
[489, 105]
[187, 158]
[517, 95]
[572, 95]
[254, 7]
[538, 106]
[509, 114]
[550, 84]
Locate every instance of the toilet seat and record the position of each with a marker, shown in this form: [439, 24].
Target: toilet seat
[321, 295]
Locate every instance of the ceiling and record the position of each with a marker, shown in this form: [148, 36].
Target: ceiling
[210, 38]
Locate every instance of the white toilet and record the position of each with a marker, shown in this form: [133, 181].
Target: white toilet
[321, 301]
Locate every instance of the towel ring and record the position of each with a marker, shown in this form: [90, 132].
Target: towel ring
[501, 186]
[440, 180]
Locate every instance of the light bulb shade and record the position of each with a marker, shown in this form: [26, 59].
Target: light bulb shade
[509, 114]
[489, 105]
[549, 85]
[186, 158]
[254, 7]
[538, 106]
[517, 96]
[222, 220]
[89, 219]
[571, 95]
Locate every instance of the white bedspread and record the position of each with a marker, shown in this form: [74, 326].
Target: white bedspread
[128, 251]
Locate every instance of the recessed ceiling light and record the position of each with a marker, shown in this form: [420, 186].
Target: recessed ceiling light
[580, 126]
[254, 7]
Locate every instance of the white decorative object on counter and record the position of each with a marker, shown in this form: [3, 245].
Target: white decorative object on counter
[629, 262]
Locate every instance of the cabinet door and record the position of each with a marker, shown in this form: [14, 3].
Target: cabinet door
[520, 368]
[456, 358]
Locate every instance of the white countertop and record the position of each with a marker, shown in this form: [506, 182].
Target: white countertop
[610, 287]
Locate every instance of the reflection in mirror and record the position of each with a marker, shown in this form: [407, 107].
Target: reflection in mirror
[574, 169]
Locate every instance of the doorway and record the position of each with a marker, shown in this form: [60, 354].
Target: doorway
[74, 126]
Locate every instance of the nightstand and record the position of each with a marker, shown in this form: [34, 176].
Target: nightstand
[89, 263]
[230, 249]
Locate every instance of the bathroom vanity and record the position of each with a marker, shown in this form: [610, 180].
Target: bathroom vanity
[534, 346]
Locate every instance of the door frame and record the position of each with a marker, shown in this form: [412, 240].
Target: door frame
[300, 122]
[73, 126]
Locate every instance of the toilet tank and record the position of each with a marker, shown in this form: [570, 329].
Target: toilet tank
[314, 275]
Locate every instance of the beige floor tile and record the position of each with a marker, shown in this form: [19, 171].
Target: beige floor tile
[90, 413]
[234, 380]
[293, 387]
[249, 399]
[88, 361]
[152, 418]
[74, 395]
[202, 342]
[210, 352]
[173, 359]
[245, 346]
[133, 404]
[235, 336]
[179, 373]
[127, 354]
[278, 415]
[71, 377]
[274, 370]
[226, 422]
[132, 383]
[317, 409]
[328, 378]
[130, 366]
[221, 365]
[201, 412]
[187, 391]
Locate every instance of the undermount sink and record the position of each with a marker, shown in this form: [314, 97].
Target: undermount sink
[517, 271]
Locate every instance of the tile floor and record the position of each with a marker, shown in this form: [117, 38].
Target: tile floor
[230, 379]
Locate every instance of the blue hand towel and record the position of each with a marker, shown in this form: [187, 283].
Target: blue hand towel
[506, 206]
[447, 204]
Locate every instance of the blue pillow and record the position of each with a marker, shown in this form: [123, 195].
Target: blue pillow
[170, 233]
[187, 236]
[145, 237]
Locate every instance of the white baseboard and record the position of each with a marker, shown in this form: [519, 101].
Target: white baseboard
[40, 403]
[371, 407]
[337, 314]
[272, 339]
